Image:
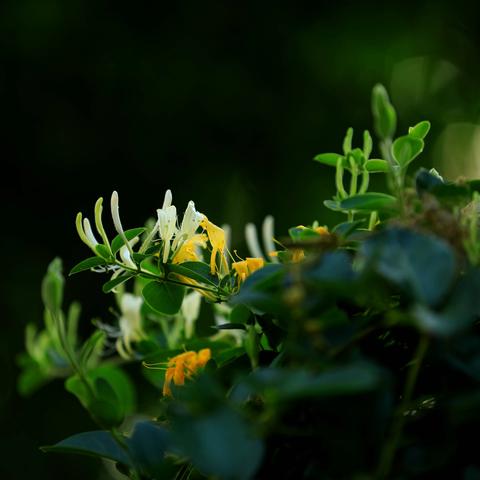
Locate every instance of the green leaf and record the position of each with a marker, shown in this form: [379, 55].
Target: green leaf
[52, 287]
[421, 265]
[148, 445]
[219, 444]
[109, 397]
[460, 312]
[87, 264]
[384, 115]
[115, 282]
[198, 271]
[282, 385]
[240, 314]
[369, 202]
[376, 165]
[420, 130]
[98, 444]
[333, 205]
[163, 297]
[230, 326]
[406, 148]
[91, 346]
[118, 243]
[328, 158]
[103, 251]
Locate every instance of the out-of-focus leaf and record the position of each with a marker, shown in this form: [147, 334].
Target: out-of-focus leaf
[369, 202]
[414, 262]
[98, 444]
[219, 444]
[384, 115]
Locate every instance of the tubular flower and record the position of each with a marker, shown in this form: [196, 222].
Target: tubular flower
[246, 267]
[268, 234]
[184, 366]
[216, 236]
[188, 252]
[130, 324]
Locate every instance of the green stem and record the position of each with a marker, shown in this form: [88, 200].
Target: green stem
[339, 179]
[388, 453]
[373, 220]
[365, 181]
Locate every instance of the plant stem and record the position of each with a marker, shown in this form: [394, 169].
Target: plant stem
[388, 453]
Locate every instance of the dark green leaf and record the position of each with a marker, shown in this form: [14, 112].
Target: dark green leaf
[115, 282]
[103, 251]
[219, 444]
[87, 264]
[98, 444]
[118, 242]
[412, 261]
[230, 326]
[164, 297]
[148, 445]
[198, 271]
[369, 202]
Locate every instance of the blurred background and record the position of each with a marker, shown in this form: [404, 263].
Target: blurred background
[225, 103]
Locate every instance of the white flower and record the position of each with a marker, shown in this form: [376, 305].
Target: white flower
[190, 223]
[116, 219]
[130, 324]
[167, 227]
[190, 311]
[268, 235]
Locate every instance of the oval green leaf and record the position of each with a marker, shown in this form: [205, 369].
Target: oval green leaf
[163, 297]
[376, 165]
[406, 148]
[118, 243]
[87, 264]
[328, 158]
[369, 202]
[420, 130]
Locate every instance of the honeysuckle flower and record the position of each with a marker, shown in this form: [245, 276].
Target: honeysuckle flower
[253, 244]
[184, 366]
[167, 201]
[130, 324]
[167, 226]
[189, 251]
[99, 223]
[216, 236]
[190, 223]
[88, 240]
[246, 267]
[88, 232]
[125, 253]
[190, 310]
[116, 219]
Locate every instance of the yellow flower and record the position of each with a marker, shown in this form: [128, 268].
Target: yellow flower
[216, 236]
[246, 267]
[188, 251]
[184, 366]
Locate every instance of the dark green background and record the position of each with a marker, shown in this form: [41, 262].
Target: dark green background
[223, 102]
